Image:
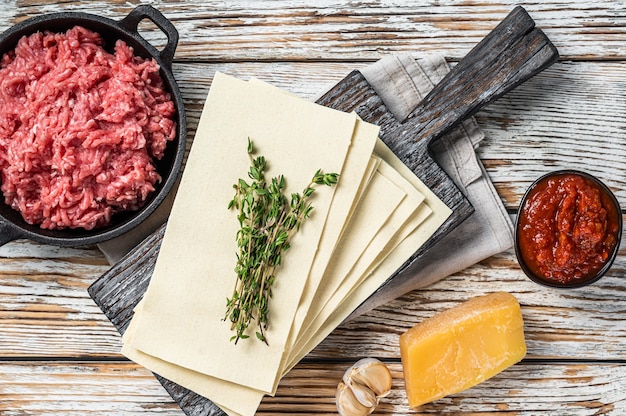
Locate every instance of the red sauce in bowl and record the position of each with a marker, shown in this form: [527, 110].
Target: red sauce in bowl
[568, 229]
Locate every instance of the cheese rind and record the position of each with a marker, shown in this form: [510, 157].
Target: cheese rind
[461, 347]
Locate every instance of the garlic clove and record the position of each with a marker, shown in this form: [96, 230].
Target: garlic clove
[362, 386]
[347, 403]
[364, 395]
[372, 373]
[376, 376]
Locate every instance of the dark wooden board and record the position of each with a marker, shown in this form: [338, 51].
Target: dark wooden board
[510, 54]
[513, 52]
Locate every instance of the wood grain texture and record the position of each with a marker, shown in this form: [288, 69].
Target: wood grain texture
[512, 53]
[562, 325]
[344, 30]
[545, 124]
[43, 308]
[565, 325]
[582, 391]
[525, 132]
[81, 388]
[569, 109]
[60, 356]
[525, 135]
[104, 388]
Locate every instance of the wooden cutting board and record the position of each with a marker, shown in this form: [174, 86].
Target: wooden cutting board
[509, 55]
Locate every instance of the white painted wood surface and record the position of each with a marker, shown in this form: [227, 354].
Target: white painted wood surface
[60, 356]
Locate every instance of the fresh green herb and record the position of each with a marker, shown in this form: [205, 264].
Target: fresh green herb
[268, 220]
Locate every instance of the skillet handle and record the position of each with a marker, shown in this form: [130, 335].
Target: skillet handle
[510, 54]
[7, 233]
[131, 24]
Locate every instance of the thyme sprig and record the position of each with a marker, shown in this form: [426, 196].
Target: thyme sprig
[268, 219]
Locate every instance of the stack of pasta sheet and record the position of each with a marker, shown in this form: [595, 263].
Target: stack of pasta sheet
[359, 233]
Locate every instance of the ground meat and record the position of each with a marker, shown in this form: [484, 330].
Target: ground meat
[79, 129]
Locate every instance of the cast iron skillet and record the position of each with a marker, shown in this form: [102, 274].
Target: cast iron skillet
[12, 226]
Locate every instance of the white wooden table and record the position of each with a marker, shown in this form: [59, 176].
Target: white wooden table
[59, 355]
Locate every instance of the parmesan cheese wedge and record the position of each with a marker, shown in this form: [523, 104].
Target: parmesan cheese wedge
[461, 347]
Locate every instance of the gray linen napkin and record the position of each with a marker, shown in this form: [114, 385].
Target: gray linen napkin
[402, 81]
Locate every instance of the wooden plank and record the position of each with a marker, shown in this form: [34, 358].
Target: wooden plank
[123, 388]
[44, 307]
[543, 125]
[559, 324]
[81, 388]
[526, 388]
[509, 55]
[513, 52]
[343, 30]
[570, 109]
[57, 320]
[48, 314]
[583, 319]
[571, 116]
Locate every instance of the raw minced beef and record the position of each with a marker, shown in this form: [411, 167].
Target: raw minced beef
[79, 129]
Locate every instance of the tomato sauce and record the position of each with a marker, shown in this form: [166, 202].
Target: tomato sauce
[568, 228]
